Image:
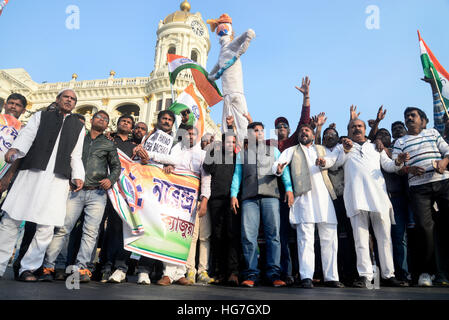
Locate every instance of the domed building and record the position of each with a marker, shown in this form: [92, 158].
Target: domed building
[181, 32]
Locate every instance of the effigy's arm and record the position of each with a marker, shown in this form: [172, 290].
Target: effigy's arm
[240, 44]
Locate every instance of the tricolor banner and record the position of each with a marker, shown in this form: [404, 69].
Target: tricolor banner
[158, 210]
[3, 5]
[429, 62]
[9, 129]
[188, 100]
[207, 88]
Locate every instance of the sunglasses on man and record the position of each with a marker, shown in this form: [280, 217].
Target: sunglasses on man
[282, 125]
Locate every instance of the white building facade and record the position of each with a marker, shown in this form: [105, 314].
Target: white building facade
[181, 33]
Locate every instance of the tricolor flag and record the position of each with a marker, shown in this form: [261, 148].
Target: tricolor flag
[207, 88]
[2, 5]
[188, 100]
[429, 62]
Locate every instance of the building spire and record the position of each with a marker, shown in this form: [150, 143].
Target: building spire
[185, 6]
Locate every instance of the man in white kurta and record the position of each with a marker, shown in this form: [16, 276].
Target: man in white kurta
[310, 209]
[366, 200]
[38, 196]
[186, 155]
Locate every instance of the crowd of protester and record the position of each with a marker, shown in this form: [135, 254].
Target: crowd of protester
[306, 209]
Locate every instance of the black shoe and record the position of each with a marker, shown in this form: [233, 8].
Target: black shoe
[60, 275]
[307, 283]
[105, 276]
[361, 282]
[27, 276]
[334, 284]
[393, 282]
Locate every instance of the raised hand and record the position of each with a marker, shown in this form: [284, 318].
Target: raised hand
[353, 113]
[321, 119]
[304, 89]
[380, 114]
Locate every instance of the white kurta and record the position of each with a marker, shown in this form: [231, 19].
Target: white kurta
[41, 196]
[365, 188]
[315, 206]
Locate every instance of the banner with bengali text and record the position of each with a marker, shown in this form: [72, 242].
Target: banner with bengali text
[158, 210]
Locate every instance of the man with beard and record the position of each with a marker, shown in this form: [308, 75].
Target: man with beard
[186, 155]
[312, 207]
[139, 131]
[347, 265]
[429, 183]
[51, 147]
[284, 141]
[362, 164]
[260, 198]
[102, 167]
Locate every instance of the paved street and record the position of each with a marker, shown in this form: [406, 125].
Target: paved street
[15, 290]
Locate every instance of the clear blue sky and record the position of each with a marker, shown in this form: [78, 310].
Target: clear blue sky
[325, 39]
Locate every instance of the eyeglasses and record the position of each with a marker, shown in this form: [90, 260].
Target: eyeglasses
[282, 125]
[99, 116]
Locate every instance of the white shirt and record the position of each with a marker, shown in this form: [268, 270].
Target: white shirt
[189, 159]
[365, 188]
[41, 196]
[315, 206]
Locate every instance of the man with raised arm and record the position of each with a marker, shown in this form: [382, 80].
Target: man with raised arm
[362, 163]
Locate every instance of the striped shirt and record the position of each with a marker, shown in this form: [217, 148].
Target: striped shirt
[423, 148]
[438, 113]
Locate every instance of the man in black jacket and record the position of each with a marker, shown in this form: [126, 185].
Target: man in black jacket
[225, 240]
[99, 155]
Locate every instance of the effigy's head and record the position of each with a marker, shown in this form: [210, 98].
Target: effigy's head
[221, 26]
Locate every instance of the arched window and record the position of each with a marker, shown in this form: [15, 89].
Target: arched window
[172, 50]
[194, 55]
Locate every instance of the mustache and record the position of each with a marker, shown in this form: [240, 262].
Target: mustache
[357, 131]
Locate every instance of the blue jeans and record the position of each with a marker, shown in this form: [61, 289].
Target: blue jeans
[252, 210]
[93, 203]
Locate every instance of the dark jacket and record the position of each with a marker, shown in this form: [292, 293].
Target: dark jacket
[45, 140]
[98, 155]
[221, 172]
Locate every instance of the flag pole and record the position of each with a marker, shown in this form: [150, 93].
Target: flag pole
[439, 93]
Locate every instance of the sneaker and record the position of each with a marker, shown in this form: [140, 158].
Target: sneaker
[47, 275]
[105, 276]
[425, 280]
[248, 283]
[117, 277]
[143, 278]
[204, 278]
[85, 275]
[278, 283]
[60, 274]
[191, 274]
